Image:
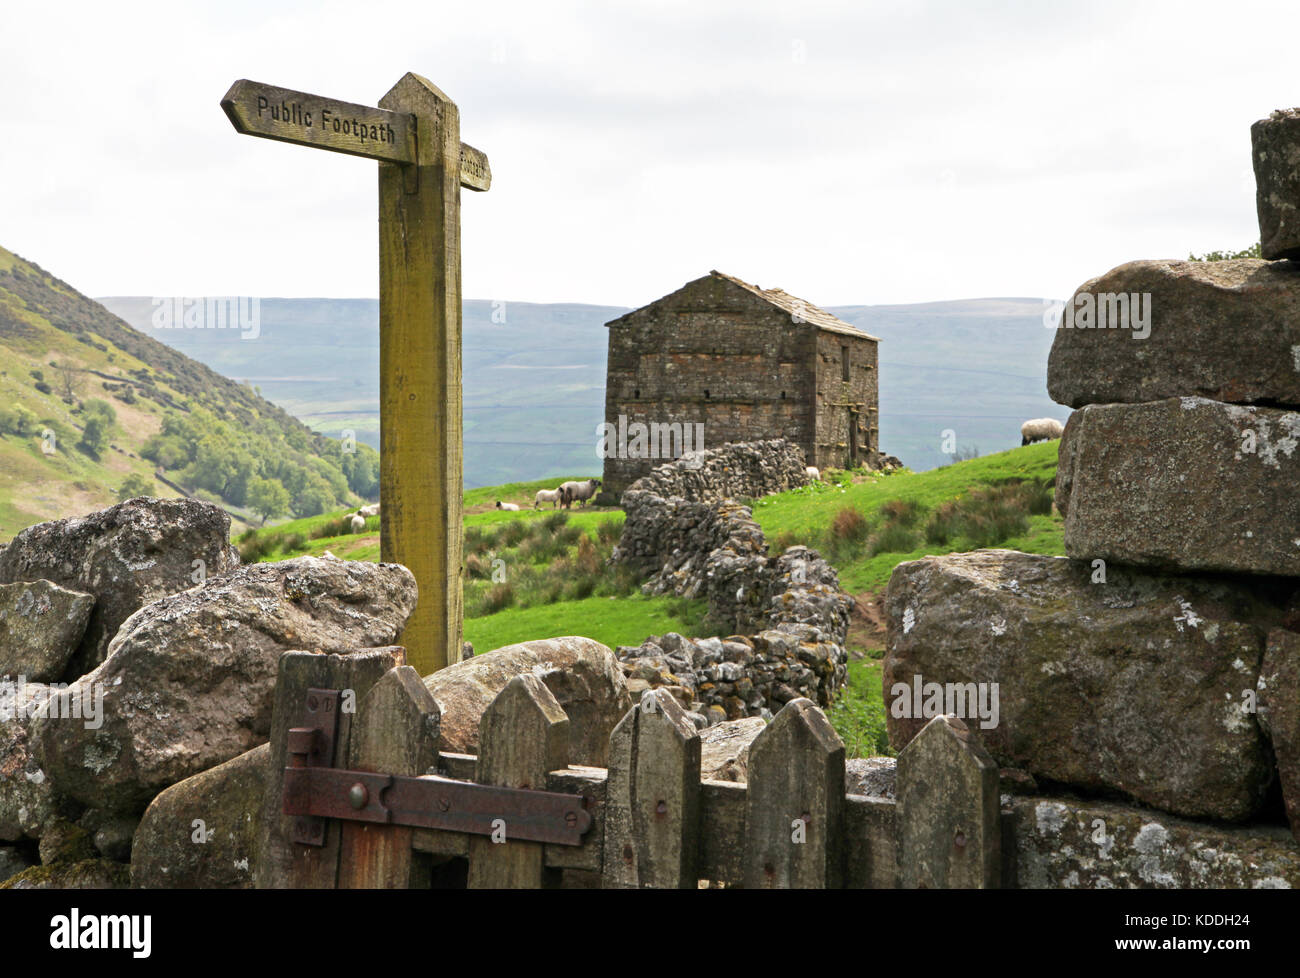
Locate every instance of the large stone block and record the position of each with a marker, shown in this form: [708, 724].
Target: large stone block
[126, 556]
[41, 625]
[1142, 684]
[27, 799]
[1063, 843]
[1279, 715]
[582, 675]
[1226, 330]
[1275, 149]
[172, 852]
[1183, 484]
[189, 680]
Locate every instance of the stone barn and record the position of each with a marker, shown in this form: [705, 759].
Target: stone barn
[735, 362]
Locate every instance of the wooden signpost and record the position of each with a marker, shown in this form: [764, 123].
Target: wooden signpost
[414, 134]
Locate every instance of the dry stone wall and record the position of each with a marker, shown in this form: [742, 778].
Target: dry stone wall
[1157, 661]
[685, 531]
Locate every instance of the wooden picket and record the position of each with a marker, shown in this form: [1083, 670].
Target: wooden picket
[655, 822]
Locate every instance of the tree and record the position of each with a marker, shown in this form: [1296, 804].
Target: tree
[134, 485]
[268, 498]
[98, 432]
[68, 381]
[94, 437]
[1251, 252]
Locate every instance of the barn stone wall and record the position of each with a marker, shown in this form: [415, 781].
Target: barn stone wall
[716, 354]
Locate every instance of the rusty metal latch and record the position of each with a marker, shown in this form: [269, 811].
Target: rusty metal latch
[315, 791]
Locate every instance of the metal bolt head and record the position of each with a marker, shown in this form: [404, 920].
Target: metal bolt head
[571, 819]
[358, 796]
[960, 840]
[661, 808]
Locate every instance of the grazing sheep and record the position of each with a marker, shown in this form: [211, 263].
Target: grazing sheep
[571, 492]
[813, 474]
[1040, 429]
[358, 523]
[547, 496]
[512, 507]
[367, 511]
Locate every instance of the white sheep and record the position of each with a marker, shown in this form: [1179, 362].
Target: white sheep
[371, 510]
[571, 492]
[546, 496]
[511, 507]
[358, 523]
[1040, 429]
[813, 473]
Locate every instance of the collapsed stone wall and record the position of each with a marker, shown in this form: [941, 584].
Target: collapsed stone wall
[1159, 661]
[790, 608]
[737, 470]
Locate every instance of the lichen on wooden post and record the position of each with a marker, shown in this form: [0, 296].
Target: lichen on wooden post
[524, 734]
[652, 797]
[795, 802]
[280, 862]
[420, 454]
[394, 732]
[948, 817]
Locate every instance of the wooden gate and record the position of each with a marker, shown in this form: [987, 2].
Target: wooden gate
[360, 796]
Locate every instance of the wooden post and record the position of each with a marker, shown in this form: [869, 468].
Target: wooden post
[652, 797]
[415, 136]
[420, 446]
[395, 731]
[282, 863]
[947, 791]
[524, 734]
[795, 802]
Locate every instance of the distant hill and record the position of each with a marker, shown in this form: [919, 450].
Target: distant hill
[88, 405]
[534, 378]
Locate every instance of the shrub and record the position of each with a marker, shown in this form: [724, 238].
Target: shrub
[902, 512]
[609, 532]
[892, 538]
[497, 597]
[848, 526]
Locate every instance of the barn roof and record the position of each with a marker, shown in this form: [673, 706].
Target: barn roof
[795, 307]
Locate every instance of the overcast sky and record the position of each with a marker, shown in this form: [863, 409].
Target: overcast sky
[869, 152]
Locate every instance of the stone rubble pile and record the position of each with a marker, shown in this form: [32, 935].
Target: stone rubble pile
[1159, 661]
[791, 609]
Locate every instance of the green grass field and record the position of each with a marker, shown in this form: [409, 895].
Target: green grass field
[804, 515]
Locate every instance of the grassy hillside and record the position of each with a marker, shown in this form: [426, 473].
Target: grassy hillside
[553, 579]
[965, 506]
[91, 408]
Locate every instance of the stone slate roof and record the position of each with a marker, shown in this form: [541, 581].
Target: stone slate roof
[787, 303]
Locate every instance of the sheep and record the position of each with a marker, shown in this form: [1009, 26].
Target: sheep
[1040, 429]
[546, 496]
[813, 474]
[371, 510]
[571, 492]
[511, 507]
[358, 523]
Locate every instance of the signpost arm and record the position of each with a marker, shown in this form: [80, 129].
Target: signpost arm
[420, 370]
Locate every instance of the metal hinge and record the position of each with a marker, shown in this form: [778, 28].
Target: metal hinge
[315, 791]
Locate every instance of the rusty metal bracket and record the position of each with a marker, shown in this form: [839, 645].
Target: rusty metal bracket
[315, 791]
[310, 745]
